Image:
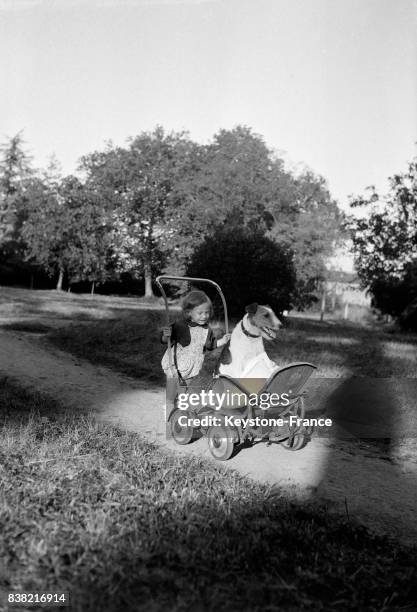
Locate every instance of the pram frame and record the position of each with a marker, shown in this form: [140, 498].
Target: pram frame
[223, 438]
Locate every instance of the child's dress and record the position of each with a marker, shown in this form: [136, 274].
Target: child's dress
[189, 342]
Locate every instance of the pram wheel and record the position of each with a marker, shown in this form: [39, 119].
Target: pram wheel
[182, 433]
[221, 442]
[299, 435]
[296, 442]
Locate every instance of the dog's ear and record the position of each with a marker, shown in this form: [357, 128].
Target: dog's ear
[251, 308]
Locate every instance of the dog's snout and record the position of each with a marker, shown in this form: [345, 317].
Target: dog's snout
[275, 321]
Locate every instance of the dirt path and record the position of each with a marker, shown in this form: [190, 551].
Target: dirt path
[379, 493]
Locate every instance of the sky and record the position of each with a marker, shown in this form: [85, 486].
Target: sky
[329, 84]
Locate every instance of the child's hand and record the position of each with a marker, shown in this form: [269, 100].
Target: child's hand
[166, 333]
[224, 340]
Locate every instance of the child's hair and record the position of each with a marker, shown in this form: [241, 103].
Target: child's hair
[192, 300]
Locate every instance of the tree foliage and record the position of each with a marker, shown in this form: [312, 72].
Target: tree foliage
[227, 181]
[237, 180]
[67, 230]
[167, 193]
[147, 206]
[307, 220]
[248, 266]
[235, 184]
[138, 185]
[15, 172]
[385, 243]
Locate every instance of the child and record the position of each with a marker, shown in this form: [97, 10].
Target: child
[191, 337]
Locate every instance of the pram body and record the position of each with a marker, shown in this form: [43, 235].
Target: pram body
[245, 410]
[251, 410]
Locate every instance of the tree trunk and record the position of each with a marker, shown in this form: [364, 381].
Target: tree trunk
[334, 297]
[60, 280]
[323, 304]
[148, 281]
[31, 281]
[93, 284]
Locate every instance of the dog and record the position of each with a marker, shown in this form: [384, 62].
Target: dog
[246, 356]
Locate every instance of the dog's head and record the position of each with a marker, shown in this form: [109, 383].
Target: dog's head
[264, 318]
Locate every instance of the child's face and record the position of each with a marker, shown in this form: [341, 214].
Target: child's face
[200, 314]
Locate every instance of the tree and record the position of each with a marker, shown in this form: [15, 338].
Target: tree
[234, 180]
[307, 220]
[237, 177]
[230, 183]
[137, 183]
[67, 231]
[131, 252]
[91, 235]
[45, 229]
[166, 194]
[385, 242]
[15, 173]
[239, 181]
[248, 266]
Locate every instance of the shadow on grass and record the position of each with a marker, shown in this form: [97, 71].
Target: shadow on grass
[30, 327]
[345, 349]
[129, 344]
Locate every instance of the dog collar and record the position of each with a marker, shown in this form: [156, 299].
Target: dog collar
[247, 333]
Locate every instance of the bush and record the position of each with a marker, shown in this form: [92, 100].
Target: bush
[398, 297]
[248, 266]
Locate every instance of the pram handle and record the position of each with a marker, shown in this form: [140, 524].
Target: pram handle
[189, 279]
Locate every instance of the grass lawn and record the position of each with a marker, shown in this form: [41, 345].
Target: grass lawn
[122, 525]
[130, 344]
[122, 333]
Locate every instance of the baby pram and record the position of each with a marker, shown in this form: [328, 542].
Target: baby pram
[242, 411]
